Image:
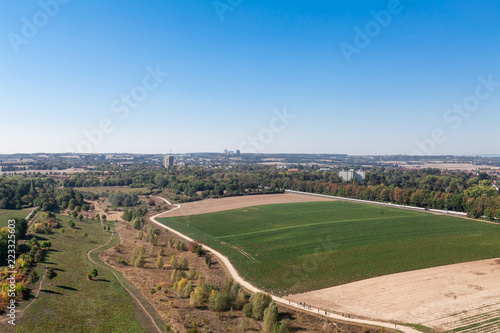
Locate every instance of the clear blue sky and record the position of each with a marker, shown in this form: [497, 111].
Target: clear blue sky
[228, 70]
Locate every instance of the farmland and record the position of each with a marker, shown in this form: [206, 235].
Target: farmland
[293, 248]
[5, 215]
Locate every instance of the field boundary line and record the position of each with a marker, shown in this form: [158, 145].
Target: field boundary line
[247, 285]
[449, 212]
[119, 281]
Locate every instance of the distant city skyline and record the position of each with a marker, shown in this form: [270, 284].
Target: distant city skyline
[364, 78]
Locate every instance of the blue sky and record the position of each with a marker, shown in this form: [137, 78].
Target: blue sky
[232, 66]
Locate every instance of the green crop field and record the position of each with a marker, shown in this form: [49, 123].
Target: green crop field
[292, 248]
[6, 215]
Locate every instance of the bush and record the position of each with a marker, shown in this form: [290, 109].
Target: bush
[247, 310]
[71, 223]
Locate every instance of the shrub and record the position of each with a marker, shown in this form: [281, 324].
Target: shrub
[270, 316]
[260, 302]
[159, 262]
[247, 310]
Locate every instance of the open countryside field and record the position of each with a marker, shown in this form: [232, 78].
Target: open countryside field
[299, 247]
[6, 215]
[71, 302]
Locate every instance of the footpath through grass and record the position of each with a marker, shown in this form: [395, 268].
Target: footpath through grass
[71, 302]
[308, 246]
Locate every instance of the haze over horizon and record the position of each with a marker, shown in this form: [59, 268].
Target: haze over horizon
[364, 78]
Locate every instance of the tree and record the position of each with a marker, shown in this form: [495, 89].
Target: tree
[183, 263]
[197, 296]
[46, 244]
[140, 262]
[270, 316]
[71, 223]
[159, 261]
[260, 302]
[33, 277]
[92, 274]
[173, 262]
[51, 273]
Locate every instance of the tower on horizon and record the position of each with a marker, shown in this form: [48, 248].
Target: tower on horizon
[168, 161]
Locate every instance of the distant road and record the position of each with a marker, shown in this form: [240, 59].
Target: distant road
[247, 285]
[450, 212]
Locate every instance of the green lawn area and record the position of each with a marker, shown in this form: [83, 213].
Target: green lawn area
[73, 303]
[113, 189]
[6, 215]
[308, 246]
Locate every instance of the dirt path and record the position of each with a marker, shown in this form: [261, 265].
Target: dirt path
[237, 278]
[119, 281]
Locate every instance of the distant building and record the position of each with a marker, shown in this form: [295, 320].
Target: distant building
[350, 174]
[225, 151]
[238, 152]
[168, 161]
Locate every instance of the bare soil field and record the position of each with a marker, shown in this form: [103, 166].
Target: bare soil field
[444, 298]
[218, 205]
[448, 166]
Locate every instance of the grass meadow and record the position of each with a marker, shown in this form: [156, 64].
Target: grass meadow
[6, 215]
[293, 248]
[71, 302]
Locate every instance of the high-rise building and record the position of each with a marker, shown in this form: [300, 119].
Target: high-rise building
[168, 161]
[238, 153]
[350, 174]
